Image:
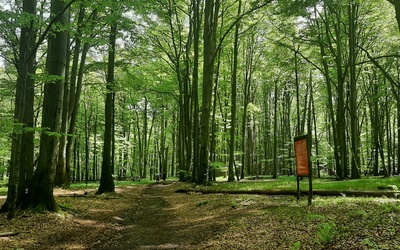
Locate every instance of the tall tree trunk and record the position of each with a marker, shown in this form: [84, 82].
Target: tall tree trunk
[354, 126]
[314, 118]
[106, 179]
[88, 119]
[213, 144]
[275, 155]
[145, 139]
[140, 146]
[21, 163]
[113, 134]
[41, 189]
[61, 177]
[211, 12]
[297, 83]
[94, 167]
[60, 167]
[398, 130]
[341, 171]
[325, 30]
[74, 109]
[195, 91]
[231, 176]
[173, 153]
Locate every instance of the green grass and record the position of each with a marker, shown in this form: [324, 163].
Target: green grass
[281, 183]
[289, 183]
[89, 185]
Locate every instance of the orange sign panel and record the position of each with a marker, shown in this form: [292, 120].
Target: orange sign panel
[300, 147]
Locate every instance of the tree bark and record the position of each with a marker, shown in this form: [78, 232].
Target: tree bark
[21, 162]
[41, 189]
[275, 155]
[106, 179]
[195, 93]
[211, 12]
[231, 176]
[354, 126]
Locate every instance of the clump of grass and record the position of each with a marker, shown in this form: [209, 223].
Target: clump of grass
[296, 245]
[202, 203]
[370, 243]
[358, 214]
[234, 204]
[326, 232]
[315, 217]
[66, 207]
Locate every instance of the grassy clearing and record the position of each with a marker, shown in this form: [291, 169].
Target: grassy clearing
[289, 183]
[281, 183]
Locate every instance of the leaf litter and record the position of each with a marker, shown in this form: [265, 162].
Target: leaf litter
[156, 217]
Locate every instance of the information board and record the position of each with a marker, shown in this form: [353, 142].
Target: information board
[301, 151]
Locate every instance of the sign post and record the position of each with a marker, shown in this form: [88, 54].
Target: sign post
[302, 149]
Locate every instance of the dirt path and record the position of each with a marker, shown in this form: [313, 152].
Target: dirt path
[151, 224]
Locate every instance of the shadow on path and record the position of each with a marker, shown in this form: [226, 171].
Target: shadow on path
[154, 223]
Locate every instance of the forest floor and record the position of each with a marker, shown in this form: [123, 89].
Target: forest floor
[156, 217]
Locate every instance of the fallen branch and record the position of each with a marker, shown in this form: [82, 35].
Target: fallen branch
[391, 194]
[6, 234]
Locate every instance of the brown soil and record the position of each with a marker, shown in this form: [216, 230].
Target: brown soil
[156, 217]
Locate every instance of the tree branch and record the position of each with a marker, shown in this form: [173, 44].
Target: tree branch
[46, 31]
[238, 19]
[386, 74]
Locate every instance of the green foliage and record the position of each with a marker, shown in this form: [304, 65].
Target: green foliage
[202, 203]
[359, 214]
[234, 204]
[372, 245]
[217, 165]
[66, 207]
[315, 217]
[185, 176]
[296, 245]
[289, 183]
[326, 232]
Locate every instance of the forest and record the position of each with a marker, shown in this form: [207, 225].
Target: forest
[117, 90]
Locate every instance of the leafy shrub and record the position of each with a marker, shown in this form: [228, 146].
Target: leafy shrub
[185, 176]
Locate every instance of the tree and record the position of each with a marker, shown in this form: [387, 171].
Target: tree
[353, 11]
[22, 144]
[106, 179]
[211, 12]
[233, 99]
[41, 188]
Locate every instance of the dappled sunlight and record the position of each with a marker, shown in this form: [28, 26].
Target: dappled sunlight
[75, 246]
[175, 207]
[87, 222]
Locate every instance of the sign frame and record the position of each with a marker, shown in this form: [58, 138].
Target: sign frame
[302, 146]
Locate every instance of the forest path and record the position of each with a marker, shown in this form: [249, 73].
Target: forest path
[154, 223]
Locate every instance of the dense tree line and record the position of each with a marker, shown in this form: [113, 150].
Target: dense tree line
[194, 89]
